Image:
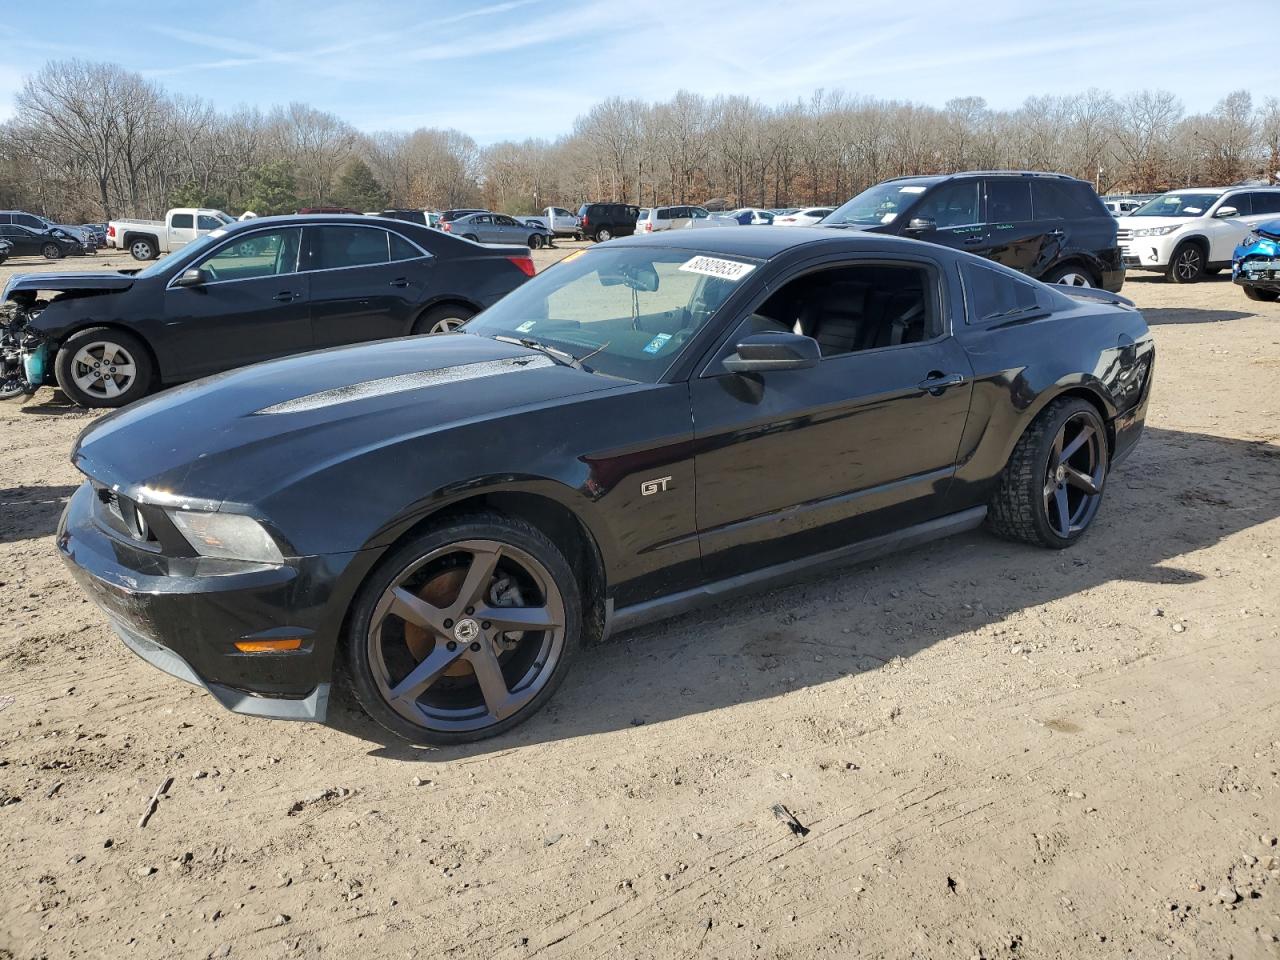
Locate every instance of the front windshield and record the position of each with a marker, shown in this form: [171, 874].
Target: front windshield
[172, 257]
[636, 306]
[1177, 205]
[879, 204]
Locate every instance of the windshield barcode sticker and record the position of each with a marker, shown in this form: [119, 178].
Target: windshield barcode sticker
[715, 267]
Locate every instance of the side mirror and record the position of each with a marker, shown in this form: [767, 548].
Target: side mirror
[193, 277]
[774, 351]
[1227, 212]
[921, 225]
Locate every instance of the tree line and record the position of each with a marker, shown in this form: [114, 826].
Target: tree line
[90, 141]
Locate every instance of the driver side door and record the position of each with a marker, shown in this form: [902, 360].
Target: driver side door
[253, 305]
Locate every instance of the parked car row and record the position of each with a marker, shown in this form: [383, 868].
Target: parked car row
[30, 235]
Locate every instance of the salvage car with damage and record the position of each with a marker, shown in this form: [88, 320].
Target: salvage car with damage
[443, 522]
[247, 292]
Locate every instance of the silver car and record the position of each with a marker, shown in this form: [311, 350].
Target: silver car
[499, 228]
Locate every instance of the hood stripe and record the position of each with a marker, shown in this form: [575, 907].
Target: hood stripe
[407, 381]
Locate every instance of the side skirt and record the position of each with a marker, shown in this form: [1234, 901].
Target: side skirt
[662, 608]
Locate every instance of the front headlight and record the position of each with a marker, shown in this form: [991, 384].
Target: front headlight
[1250, 239]
[228, 536]
[1156, 231]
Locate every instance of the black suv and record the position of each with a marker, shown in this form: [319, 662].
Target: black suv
[604, 221]
[1047, 225]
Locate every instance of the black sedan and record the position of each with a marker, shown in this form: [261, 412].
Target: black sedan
[256, 290]
[52, 244]
[653, 423]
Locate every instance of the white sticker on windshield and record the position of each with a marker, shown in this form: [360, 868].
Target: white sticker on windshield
[1192, 210]
[526, 326]
[889, 218]
[715, 267]
[912, 189]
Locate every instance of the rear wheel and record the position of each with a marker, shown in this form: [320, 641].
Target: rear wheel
[103, 367]
[443, 319]
[464, 631]
[1071, 275]
[535, 241]
[51, 251]
[142, 249]
[471, 236]
[1187, 264]
[1052, 485]
[603, 234]
[1266, 296]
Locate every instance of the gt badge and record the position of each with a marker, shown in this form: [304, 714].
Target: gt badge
[650, 487]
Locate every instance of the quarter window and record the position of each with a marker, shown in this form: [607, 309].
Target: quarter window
[402, 249]
[993, 295]
[265, 254]
[1008, 201]
[334, 247]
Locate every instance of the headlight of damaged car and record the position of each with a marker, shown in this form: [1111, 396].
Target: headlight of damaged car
[1156, 231]
[1250, 239]
[228, 536]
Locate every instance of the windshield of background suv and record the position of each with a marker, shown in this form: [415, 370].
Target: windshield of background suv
[637, 306]
[880, 204]
[1177, 205]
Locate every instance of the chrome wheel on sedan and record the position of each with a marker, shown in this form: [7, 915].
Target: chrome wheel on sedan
[103, 369]
[467, 633]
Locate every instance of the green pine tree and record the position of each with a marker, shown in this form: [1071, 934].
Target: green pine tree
[191, 194]
[272, 189]
[359, 189]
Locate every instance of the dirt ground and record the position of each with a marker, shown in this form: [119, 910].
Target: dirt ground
[997, 751]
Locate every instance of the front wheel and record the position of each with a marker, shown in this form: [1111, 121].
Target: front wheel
[1187, 264]
[1264, 296]
[1070, 275]
[535, 242]
[1051, 487]
[51, 251]
[464, 631]
[103, 367]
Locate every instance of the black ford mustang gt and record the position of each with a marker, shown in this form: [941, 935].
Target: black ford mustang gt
[253, 291]
[650, 424]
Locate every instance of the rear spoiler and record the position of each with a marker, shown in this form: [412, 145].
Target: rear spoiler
[1093, 293]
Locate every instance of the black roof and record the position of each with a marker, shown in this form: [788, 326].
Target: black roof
[938, 177]
[313, 219]
[764, 243]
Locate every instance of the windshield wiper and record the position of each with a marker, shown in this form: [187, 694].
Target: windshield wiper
[559, 356]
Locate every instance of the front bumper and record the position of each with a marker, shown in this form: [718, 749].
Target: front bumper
[1148, 253]
[185, 615]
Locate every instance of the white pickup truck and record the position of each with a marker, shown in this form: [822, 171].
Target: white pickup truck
[147, 239]
[560, 222]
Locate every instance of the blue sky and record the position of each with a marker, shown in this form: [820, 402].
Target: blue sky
[516, 68]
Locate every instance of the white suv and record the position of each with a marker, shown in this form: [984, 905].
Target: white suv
[1186, 234]
[668, 218]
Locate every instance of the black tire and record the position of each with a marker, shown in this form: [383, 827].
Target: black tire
[443, 319]
[1187, 264]
[51, 251]
[1019, 509]
[370, 681]
[535, 241]
[1263, 296]
[471, 236]
[75, 378]
[142, 248]
[1072, 275]
[603, 234]
[577, 235]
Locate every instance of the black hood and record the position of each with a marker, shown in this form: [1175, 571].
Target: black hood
[81, 280]
[245, 434]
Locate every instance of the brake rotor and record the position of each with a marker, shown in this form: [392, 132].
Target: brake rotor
[440, 591]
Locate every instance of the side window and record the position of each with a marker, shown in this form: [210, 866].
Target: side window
[856, 307]
[1266, 202]
[1008, 201]
[951, 205]
[482, 219]
[181, 221]
[334, 247]
[265, 254]
[206, 222]
[27, 220]
[991, 294]
[402, 249]
[1054, 200]
[1241, 202]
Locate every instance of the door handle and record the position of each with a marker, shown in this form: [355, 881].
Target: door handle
[285, 296]
[937, 382]
[970, 241]
[1057, 232]
[401, 282]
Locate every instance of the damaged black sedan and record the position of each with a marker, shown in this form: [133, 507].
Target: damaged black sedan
[443, 522]
[252, 291]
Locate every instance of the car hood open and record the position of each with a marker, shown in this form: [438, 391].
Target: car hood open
[61, 282]
[240, 435]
